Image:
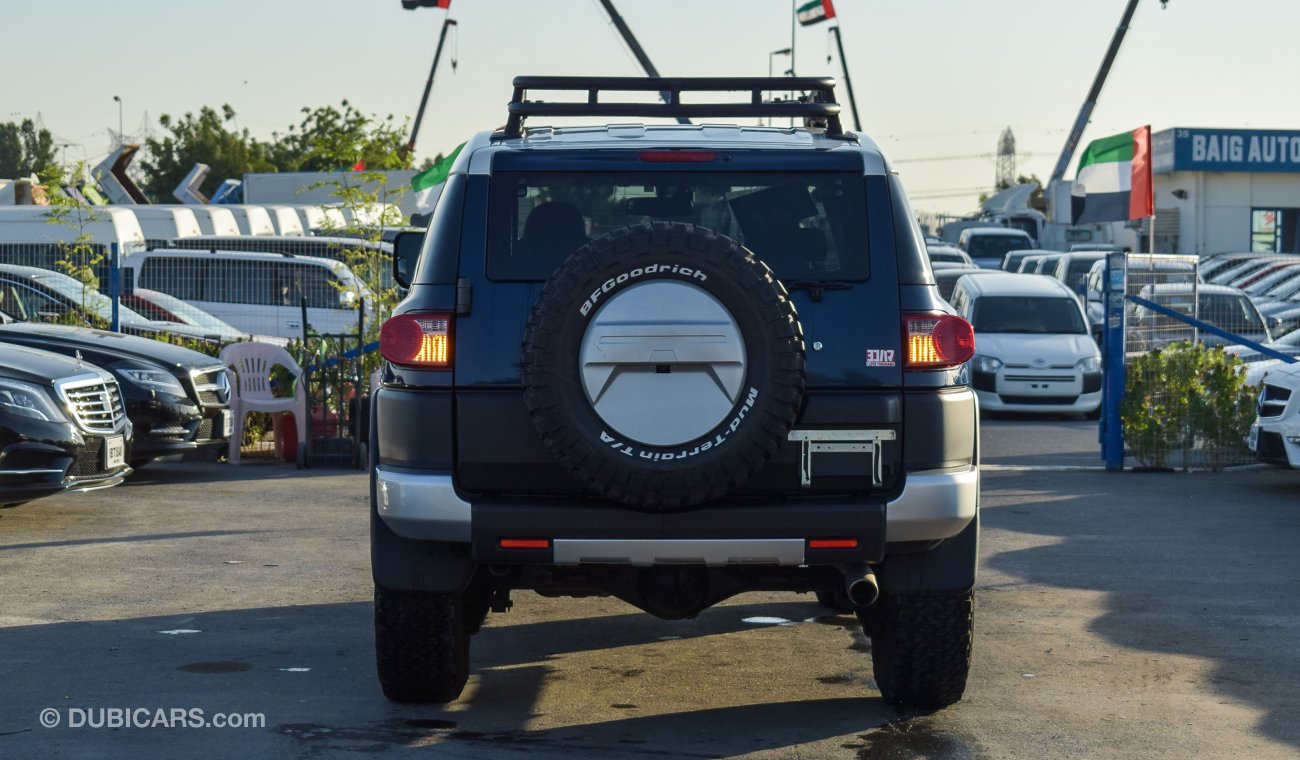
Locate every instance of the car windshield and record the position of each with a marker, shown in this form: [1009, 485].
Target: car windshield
[994, 246]
[805, 226]
[1231, 312]
[1028, 314]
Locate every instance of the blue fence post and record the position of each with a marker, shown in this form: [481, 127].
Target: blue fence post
[1112, 389]
[114, 285]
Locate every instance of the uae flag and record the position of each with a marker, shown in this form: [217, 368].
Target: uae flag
[411, 5]
[815, 11]
[428, 184]
[1113, 183]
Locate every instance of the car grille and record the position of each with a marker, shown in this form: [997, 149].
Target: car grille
[1040, 378]
[87, 462]
[205, 431]
[95, 403]
[1030, 366]
[1273, 400]
[212, 386]
[1038, 400]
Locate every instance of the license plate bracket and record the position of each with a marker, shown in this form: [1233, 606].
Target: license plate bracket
[114, 452]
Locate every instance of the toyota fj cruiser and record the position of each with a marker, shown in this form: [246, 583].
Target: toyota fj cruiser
[673, 364]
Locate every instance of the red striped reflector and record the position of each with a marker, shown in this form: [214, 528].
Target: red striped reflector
[524, 543]
[832, 543]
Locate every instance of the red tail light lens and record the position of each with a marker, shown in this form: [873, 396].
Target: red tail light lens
[417, 340]
[937, 341]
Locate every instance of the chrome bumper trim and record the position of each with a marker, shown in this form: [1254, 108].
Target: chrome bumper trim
[934, 504]
[422, 506]
[644, 552]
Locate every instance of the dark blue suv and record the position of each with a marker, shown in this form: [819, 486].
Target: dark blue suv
[672, 364]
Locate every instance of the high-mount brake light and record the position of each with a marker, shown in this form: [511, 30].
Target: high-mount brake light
[417, 340]
[678, 156]
[937, 341]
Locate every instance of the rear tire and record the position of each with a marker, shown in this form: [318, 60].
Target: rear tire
[421, 645]
[920, 647]
[834, 601]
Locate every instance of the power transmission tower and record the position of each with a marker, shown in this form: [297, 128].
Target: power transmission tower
[1006, 166]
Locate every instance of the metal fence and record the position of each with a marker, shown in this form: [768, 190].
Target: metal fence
[1178, 409]
[269, 289]
[220, 296]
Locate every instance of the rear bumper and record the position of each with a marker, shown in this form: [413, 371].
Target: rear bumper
[423, 506]
[1081, 403]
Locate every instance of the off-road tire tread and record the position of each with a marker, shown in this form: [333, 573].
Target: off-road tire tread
[920, 647]
[421, 646]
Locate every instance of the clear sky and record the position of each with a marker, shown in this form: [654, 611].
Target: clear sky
[935, 79]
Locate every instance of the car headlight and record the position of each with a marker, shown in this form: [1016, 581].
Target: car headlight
[1089, 365]
[28, 400]
[154, 379]
[986, 363]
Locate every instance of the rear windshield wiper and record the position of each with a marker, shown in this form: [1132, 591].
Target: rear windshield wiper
[816, 288]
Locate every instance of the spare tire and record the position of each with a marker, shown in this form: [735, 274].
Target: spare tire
[663, 364]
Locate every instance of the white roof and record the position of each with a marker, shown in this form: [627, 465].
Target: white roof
[1015, 284]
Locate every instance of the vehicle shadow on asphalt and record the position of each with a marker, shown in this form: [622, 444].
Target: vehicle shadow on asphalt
[127, 539]
[310, 670]
[212, 472]
[1201, 565]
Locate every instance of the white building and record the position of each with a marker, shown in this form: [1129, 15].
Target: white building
[1222, 190]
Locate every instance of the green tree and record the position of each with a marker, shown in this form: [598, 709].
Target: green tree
[78, 258]
[24, 149]
[329, 139]
[205, 139]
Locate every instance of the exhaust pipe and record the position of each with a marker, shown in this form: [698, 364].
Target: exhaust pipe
[860, 585]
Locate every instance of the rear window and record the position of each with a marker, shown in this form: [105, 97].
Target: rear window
[994, 246]
[1027, 314]
[805, 226]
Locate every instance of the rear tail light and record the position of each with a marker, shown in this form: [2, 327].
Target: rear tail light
[417, 340]
[937, 341]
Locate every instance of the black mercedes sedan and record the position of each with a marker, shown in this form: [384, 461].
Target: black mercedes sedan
[63, 426]
[178, 399]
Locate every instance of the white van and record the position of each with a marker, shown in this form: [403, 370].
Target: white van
[258, 293]
[213, 219]
[1033, 352]
[163, 224]
[312, 218]
[105, 225]
[286, 221]
[252, 220]
[989, 245]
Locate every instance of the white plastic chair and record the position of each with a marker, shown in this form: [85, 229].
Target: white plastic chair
[252, 364]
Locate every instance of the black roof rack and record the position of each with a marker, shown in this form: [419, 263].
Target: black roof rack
[818, 105]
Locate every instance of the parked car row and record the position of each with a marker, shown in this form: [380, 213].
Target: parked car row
[80, 408]
[237, 284]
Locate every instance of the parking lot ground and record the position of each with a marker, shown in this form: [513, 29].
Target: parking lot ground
[1118, 616]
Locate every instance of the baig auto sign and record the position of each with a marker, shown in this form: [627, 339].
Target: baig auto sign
[1225, 150]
